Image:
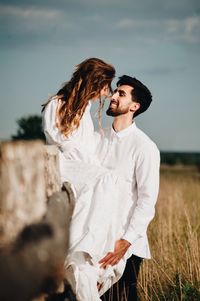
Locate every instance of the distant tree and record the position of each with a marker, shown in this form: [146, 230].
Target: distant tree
[185, 158]
[29, 128]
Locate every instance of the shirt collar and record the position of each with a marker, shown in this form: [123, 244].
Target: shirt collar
[125, 132]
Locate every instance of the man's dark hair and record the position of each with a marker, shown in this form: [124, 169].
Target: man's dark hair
[140, 92]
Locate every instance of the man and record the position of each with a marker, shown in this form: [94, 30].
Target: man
[127, 150]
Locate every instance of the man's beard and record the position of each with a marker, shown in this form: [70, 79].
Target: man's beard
[117, 112]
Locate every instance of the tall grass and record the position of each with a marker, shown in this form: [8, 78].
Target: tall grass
[173, 274]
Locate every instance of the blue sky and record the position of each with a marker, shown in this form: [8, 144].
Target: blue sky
[156, 41]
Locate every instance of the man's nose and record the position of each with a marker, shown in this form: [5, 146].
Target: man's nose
[114, 96]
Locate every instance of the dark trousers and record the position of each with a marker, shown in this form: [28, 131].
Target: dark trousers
[126, 288]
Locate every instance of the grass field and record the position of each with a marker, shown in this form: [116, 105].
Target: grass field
[173, 274]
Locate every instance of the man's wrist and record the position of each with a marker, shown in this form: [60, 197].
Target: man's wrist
[131, 236]
[126, 242]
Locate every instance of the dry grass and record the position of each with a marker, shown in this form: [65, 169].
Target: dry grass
[173, 274]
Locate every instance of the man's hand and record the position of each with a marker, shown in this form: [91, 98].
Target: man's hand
[112, 258]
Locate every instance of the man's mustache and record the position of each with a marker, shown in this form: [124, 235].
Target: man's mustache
[113, 102]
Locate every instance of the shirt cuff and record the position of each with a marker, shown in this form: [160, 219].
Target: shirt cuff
[131, 236]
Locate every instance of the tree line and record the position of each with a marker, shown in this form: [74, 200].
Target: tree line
[30, 128]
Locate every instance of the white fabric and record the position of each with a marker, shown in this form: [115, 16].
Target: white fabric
[101, 208]
[80, 145]
[135, 157]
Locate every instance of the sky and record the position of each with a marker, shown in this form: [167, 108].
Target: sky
[156, 41]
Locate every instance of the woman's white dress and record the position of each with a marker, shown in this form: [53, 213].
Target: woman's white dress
[99, 216]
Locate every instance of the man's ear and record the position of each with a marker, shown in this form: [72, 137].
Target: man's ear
[134, 106]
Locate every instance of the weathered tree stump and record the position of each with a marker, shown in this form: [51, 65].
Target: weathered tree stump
[28, 174]
[52, 175]
[33, 264]
[34, 220]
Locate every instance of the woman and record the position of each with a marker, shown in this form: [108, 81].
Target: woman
[95, 222]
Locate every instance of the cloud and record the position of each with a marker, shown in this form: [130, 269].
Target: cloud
[185, 30]
[129, 8]
[125, 23]
[192, 24]
[164, 70]
[188, 25]
[24, 26]
[90, 22]
[10, 11]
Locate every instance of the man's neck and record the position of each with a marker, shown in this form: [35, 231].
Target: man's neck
[121, 123]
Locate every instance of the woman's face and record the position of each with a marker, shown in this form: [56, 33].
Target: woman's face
[105, 92]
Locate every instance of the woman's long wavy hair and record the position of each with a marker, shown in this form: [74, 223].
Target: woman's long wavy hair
[86, 83]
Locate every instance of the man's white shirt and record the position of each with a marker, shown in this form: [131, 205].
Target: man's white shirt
[133, 155]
